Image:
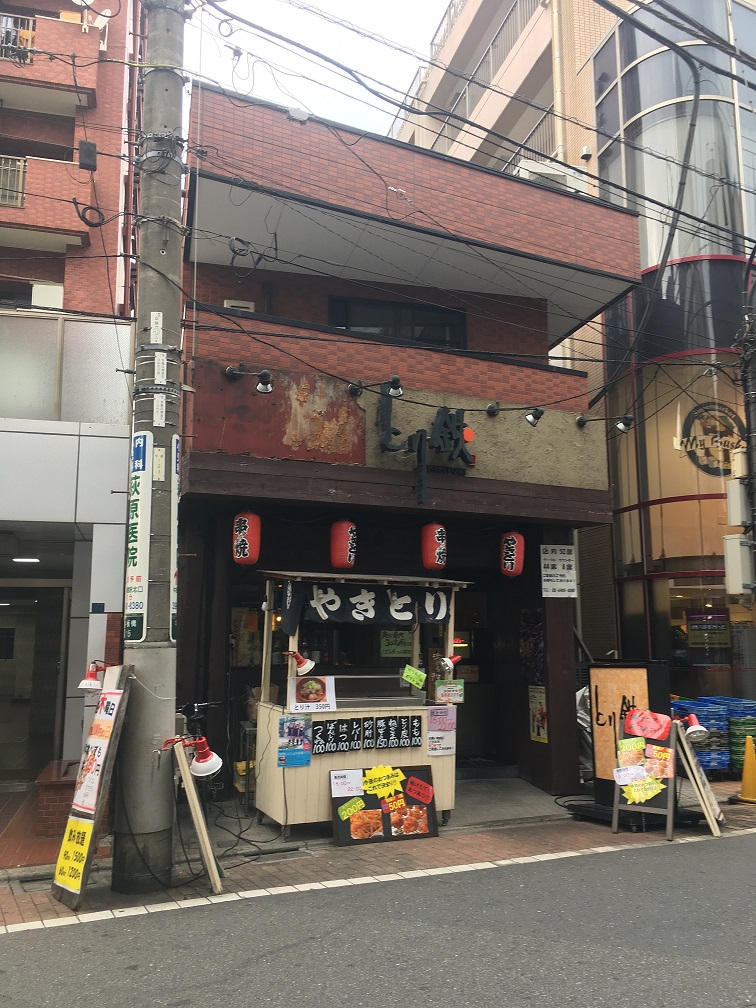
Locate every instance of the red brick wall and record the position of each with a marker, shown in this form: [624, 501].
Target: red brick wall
[344, 167]
[24, 264]
[114, 639]
[17, 126]
[499, 325]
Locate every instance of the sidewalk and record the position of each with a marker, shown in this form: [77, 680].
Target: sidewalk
[520, 823]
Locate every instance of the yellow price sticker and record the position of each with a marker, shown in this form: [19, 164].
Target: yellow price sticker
[350, 807]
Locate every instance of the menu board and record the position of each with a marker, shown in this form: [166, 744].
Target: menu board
[381, 804]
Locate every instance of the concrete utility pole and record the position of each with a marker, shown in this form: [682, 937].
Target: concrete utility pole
[143, 847]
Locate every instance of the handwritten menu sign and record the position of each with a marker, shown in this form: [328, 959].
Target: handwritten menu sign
[382, 803]
[401, 731]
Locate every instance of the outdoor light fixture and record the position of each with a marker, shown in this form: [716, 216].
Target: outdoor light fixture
[264, 384]
[395, 389]
[206, 763]
[623, 424]
[695, 731]
[304, 665]
[493, 409]
[534, 415]
[446, 665]
[25, 559]
[91, 681]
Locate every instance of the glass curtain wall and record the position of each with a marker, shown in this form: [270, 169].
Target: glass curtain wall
[679, 377]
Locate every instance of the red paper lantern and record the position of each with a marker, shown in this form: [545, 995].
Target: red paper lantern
[512, 554]
[246, 538]
[433, 546]
[343, 544]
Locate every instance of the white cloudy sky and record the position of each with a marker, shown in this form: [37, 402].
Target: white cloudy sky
[277, 72]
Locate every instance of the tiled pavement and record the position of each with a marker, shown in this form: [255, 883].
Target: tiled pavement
[26, 901]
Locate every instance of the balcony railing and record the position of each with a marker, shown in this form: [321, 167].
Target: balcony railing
[504, 41]
[541, 138]
[16, 35]
[12, 180]
[450, 15]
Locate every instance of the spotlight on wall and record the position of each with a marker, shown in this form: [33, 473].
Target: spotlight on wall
[265, 380]
[395, 387]
[493, 409]
[534, 415]
[623, 423]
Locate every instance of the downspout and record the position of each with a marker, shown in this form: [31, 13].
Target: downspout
[557, 71]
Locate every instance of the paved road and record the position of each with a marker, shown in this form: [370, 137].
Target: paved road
[665, 925]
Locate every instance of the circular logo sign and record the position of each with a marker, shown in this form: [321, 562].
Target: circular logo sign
[710, 433]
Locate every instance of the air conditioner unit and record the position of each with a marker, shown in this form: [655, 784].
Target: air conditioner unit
[738, 557]
[240, 305]
[558, 176]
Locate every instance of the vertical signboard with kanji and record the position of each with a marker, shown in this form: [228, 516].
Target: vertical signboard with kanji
[79, 844]
[175, 460]
[138, 538]
[558, 572]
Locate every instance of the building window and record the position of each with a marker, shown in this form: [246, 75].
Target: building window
[400, 322]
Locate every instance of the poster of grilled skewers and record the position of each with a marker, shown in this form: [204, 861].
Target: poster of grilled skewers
[383, 803]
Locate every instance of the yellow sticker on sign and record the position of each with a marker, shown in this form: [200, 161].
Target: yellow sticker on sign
[641, 791]
[349, 808]
[69, 869]
[382, 781]
[414, 676]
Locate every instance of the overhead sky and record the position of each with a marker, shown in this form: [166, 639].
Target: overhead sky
[277, 72]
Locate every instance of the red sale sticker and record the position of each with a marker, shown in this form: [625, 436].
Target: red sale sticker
[419, 790]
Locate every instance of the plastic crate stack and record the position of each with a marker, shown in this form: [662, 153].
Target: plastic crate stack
[714, 752]
[741, 717]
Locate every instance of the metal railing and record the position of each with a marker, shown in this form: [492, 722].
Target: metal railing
[12, 179]
[16, 33]
[541, 138]
[450, 15]
[512, 27]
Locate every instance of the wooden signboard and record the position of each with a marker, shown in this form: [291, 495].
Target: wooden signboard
[92, 791]
[701, 786]
[382, 803]
[614, 690]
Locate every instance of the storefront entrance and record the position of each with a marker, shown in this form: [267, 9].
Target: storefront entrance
[32, 654]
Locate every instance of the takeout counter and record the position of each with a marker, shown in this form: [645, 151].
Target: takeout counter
[357, 718]
[296, 795]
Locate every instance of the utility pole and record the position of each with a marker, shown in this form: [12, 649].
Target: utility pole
[144, 805]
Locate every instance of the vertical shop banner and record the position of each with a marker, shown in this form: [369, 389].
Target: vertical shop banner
[558, 573]
[539, 718]
[138, 538]
[383, 803]
[92, 790]
[95, 752]
[175, 461]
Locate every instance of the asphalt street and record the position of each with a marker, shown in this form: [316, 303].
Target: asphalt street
[667, 925]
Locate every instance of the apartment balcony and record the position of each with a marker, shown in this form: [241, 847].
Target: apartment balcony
[31, 81]
[35, 211]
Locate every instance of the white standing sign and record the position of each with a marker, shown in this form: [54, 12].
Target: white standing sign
[558, 573]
